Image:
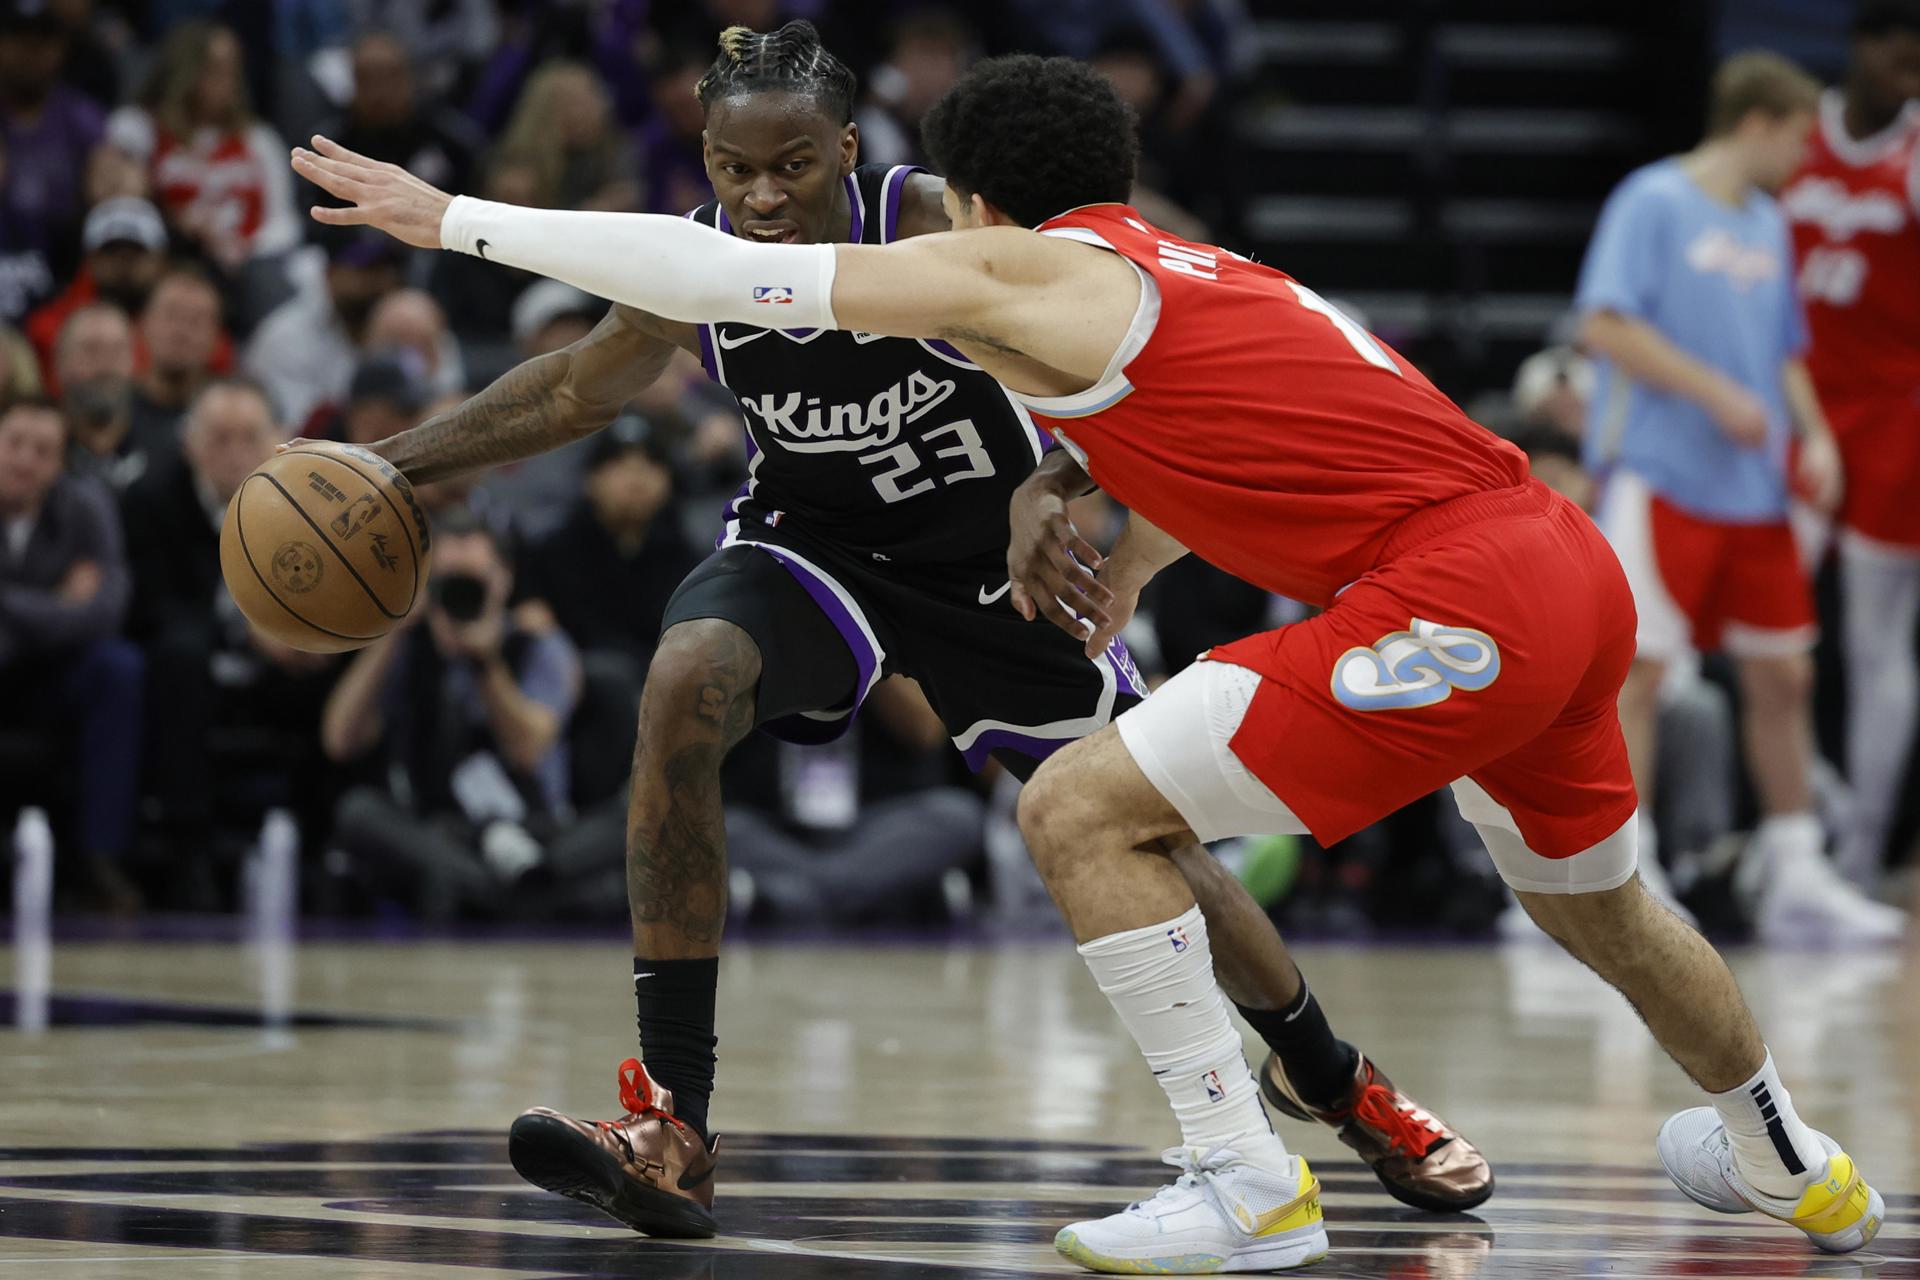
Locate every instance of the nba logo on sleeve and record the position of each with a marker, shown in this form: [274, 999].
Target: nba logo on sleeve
[1178, 937]
[1216, 1092]
[777, 294]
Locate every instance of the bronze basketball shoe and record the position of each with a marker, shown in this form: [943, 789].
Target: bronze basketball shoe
[647, 1168]
[1417, 1156]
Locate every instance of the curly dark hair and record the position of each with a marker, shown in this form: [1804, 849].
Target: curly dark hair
[1034, 137]
[791, 59]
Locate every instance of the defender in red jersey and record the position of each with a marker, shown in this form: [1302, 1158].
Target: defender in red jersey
[1475, 625]
[1855, 211]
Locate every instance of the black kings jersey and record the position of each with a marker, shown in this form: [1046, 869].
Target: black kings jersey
[892, 448]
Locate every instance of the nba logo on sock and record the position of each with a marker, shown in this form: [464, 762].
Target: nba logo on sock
[773, 293]
[1216, 1092]
[1178, 937]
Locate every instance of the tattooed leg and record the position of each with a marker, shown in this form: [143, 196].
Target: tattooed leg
[697, 705]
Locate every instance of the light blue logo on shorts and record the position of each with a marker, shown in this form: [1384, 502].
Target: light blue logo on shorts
[1415, 668]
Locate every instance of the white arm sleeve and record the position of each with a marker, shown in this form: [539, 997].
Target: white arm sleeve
[672, 267]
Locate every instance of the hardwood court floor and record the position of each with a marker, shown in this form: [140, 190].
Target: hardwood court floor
[912, 1111]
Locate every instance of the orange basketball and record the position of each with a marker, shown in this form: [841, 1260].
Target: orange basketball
[325, 549]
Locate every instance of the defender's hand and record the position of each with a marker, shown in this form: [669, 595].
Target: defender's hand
[1118, 614]
[1050, 566]
[379, 194]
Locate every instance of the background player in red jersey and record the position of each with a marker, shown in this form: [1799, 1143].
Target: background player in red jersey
[1476, 626]
[1855, 209]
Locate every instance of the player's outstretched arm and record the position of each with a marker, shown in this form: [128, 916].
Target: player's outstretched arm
[1047, 302]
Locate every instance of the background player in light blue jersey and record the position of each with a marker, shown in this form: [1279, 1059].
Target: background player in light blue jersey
[1687, 297]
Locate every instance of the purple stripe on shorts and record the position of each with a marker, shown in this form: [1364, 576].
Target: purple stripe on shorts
[896, 187]
[864, 656]
[997, 739]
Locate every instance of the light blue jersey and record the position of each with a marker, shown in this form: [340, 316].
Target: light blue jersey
[1717, 282]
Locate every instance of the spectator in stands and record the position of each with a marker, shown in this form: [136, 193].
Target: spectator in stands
[46, 130]
[563, 130]
[19, 369]
[94, 41]
[930, 48]
[64, 673]
[219, 174]
[115, 433]
[388, 119]
[1555, 459]
[862, 828]
[209, 672]
[670, 139]
[536, 493]
[409, 324]
[1078, 29]
[305, 351]
[604, 577]
[468, 710]
[125, 244]
[478, 295]
[385, 396]
[1553, 387]
[180, 331]
[1687, 298]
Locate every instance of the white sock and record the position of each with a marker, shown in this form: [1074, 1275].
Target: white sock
[1160, 981]
[1773, 1149]
[1789, 837]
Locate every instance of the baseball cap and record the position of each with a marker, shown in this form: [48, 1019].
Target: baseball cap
[628, 433]
[545, 301]
[124, 218]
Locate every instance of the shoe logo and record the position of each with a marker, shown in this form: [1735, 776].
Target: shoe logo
[689, 1180]
[1265, 1222]
[1216, 1092]
[480, 247]
[1417, 667]
[987, 597]
[726, 345]
[1178, 937]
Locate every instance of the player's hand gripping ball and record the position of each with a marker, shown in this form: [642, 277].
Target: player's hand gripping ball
[325, 548]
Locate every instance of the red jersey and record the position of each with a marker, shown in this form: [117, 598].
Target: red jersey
[1856, 234]
[1258, 425]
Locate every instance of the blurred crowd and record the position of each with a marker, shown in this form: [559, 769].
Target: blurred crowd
[168, 313]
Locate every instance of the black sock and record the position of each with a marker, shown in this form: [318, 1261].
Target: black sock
[675, 999]
[1319, 1063]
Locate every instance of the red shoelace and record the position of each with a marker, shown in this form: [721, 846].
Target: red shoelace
[639, 1103]
[1405, 1128]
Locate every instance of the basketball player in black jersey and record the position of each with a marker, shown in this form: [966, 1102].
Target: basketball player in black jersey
[869, 539]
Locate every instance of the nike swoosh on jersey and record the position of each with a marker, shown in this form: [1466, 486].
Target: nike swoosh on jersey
[989, 599]
[726, 345]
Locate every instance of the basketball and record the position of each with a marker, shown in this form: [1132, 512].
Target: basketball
[325, 549]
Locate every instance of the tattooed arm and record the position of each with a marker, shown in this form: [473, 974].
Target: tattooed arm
[549, 401]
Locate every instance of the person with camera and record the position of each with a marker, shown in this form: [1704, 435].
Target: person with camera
[466, 711]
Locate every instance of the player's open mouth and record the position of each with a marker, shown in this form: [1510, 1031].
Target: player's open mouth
[773, 232]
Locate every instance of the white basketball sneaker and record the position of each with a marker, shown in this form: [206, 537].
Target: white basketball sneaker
[1838, 1211]
[1802, 898]
[1222, 1214]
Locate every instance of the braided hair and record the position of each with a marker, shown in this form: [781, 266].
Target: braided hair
[791, 58]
